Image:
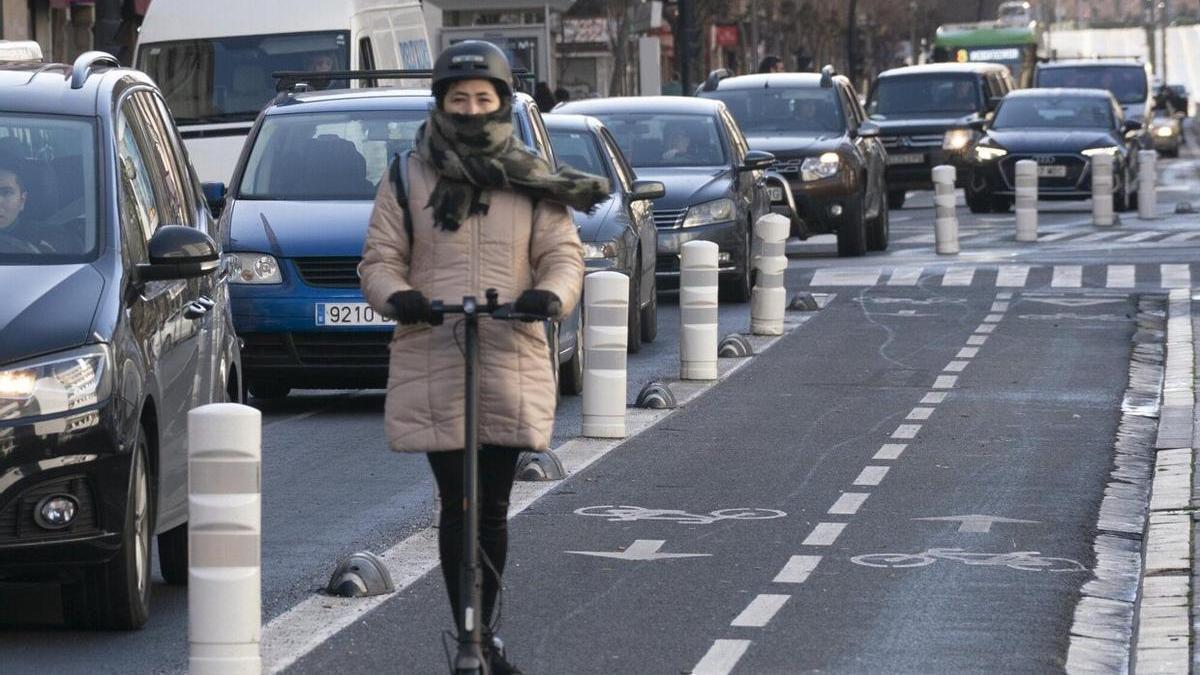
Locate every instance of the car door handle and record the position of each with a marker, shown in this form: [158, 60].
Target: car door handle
[195, 310]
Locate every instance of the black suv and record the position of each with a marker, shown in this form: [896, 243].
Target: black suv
[114, 324]
[824, 146]
[925, 115]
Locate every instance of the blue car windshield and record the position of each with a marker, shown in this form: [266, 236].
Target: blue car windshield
[1058, 112]
[48, 190]
[1127, 83]
[811, 110]
[662, 140]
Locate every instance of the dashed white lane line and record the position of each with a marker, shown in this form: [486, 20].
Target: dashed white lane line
[905, 276]
[958, 276]
[919, 414]
[721, 658]
[967, 353]
[934, 397]
[993, 318]
[760, 611]
[906, 431]
[1058, 235]
[945, 381]
[1176, 276]
[1121, 276]
[1010, 276]
[986, 328]
[999, 307]
[890, 451]
[955, 366]
[1067, 276]
[824, 534]
[871, 475]
[1006, 295]
[846, 276]
[977, 340]
[849, 503]
[1139, 236]
[797, 569]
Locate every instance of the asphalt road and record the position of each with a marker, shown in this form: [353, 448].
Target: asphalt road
[794, 432]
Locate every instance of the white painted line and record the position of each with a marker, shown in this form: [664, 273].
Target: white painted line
[1012, 276]
[967, 353]
[955, 366]
[977, 340]
[958, 276]
[993, 318]
[906, 431]
[1121, 276]
[1060, 235]
[905, 276]
[760, 611]
[797, 569]
[986, 328]
[848, 504]
[890, 451]
[721, 658]
[1006, 295]
[999, 307]
[1176, 276]
[1179, 238]
[846, 276]
[919, 414]
[945, 381]
[871, 475]
[1067, 276]
[1100, 236]
[1140, 236]
[824, 534]
[934, 397]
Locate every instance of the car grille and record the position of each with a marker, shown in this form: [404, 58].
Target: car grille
[329, 272]
[789, 165]
[1076, 168]
[664, 218]
[914, 141]
[16, 520]
[668, 264]
[329, 348]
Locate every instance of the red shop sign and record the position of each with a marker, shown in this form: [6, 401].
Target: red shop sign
[726, 36]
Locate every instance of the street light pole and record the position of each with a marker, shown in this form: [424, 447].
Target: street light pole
[684, 46]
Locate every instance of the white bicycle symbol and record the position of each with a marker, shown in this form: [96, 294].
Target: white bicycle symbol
[629, 514]
[1029, 561]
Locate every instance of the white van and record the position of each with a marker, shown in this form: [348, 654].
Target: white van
[213, 60]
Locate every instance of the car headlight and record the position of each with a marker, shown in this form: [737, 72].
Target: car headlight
[817, 168]
[253, 268]
[56, 383]
[599, 250]
[709, 213]
[1110, 150]
[987, 153]
[956, 139]
[1164, 131]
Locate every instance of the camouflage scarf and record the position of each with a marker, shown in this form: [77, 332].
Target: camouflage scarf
[476, 153]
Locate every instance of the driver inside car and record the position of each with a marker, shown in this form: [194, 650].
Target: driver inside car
[17, 234]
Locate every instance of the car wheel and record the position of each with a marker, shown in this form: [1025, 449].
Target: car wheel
[738, 289]
[650, 315]
[1121, 196]
[268, 390]
[570, 373]
[878, 230]
[896, 199]
[116, 595]
[1001, 204]
[173, 555]
[633, 328]
[851, 235]
[978, 201]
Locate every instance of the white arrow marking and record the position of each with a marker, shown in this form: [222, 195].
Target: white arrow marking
[642, 549]
[977, 523]
[1075, 302]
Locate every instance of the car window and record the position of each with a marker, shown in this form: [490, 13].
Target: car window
[175, 209]
[847, 107]
[1054, 112]
[915, 95]
[326, 156]
[139, 208]
[618, 159]
[1127, 83]
[740, 147]
[791, 109]
[578, 150]
[667, 139]
[543, 144]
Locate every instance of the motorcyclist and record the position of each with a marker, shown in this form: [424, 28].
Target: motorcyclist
[483, 212]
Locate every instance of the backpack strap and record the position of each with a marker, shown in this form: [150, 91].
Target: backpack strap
[398, 173]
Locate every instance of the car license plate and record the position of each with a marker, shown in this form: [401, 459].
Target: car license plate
[775, 193]
[1052, 171]
[349, 314]
[906, 158]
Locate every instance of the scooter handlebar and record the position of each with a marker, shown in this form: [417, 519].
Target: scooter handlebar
[505, 312]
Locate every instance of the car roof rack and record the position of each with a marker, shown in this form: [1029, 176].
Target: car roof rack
[827, 75]
[714, 78]
[87, 62]
[297, 81]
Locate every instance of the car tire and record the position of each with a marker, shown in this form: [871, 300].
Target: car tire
[650, 315]
[267, 390]
[173, 555]
[570, 372]
[1001, 204]
[852, 235]
[116, 595]
[738, 289]
[978, 201]
[633, 329]
[895, 199]
[878, 230]
[1121, 200]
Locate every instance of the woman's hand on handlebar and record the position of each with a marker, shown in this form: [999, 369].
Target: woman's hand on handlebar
[538, 304]
[410, 307]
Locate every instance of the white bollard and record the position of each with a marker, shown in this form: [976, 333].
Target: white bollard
[945, 226]
[768, 300]
[224, 540]
[606, 336]
[1147, 180]
[1027, 200]
[1102, 191]
[698, 311]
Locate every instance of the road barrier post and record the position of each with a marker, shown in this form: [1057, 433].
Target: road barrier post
[768, 300]
[224, 540]
[1102, 191]
[1027, 200]
[698, 311]
[606, 333]
[1147, 179]
[944, 199]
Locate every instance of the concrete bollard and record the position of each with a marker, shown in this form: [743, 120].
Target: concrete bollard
[768, 300]
[1102, 191]
[606, 335]
[698, 311]
[945, 226]
[1027, 200]
[1147, 184]
[224, 540]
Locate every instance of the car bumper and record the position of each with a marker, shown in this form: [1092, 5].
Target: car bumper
[1171, 142]
[998, 178]
[822, 206]
[919, 176]
[76, 455]
[729, 238]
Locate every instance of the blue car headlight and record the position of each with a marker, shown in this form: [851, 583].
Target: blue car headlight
[56, 383]
[600, 250]
[253, 268]
[709, 213]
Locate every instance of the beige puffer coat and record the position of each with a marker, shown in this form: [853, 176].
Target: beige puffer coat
[516, 246]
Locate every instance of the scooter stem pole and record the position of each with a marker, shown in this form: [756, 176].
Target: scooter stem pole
[470, 652]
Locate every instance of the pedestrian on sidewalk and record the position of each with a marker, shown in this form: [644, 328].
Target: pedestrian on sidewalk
[482, 212]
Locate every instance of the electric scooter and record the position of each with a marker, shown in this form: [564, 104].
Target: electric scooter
[469, 659]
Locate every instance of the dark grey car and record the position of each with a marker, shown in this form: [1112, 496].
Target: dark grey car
[620, 234]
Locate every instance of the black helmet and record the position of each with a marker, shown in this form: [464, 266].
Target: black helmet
[472, 60]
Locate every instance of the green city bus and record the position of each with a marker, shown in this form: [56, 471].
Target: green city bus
[1015, 46]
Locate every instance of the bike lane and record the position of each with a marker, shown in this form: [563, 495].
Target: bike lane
[837, 429]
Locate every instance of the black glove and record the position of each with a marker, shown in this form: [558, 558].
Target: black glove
[538, 302]
[409, 307]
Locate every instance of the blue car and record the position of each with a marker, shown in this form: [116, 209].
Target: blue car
[294, 221]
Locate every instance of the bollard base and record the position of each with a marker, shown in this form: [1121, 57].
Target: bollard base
[656, 396]
[540, 466]
[803, 302]
[225, 659]
[701, 370]
[766, 327]
[604, 427]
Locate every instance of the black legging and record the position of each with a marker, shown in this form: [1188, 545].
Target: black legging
[497, 467]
